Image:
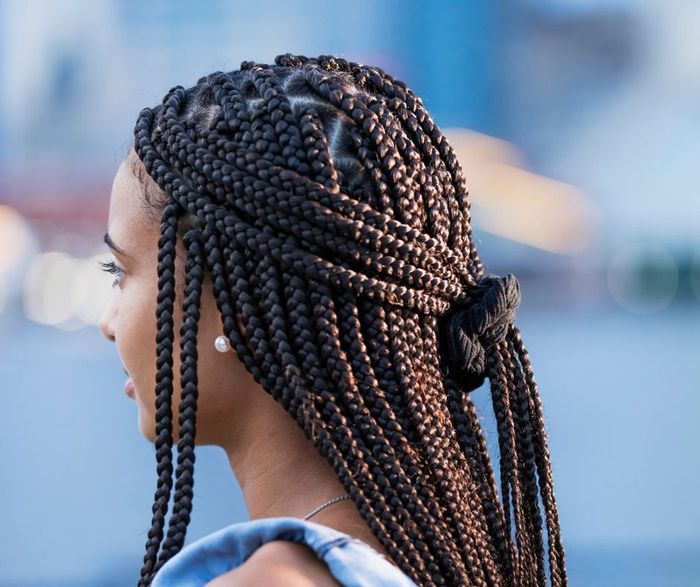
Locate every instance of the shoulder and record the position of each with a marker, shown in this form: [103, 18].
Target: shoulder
[279, 563]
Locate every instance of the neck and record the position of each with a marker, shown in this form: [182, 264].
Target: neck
[281, 473]
[278, 469]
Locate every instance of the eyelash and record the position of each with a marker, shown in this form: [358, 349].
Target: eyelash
[112, 268]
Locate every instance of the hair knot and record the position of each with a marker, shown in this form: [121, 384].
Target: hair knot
[471, 329]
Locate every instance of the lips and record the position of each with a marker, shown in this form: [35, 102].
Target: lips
[129, 387]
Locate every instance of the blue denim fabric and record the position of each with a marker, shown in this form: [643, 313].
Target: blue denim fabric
[352, 562]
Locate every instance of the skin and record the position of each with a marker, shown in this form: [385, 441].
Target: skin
[233, 411]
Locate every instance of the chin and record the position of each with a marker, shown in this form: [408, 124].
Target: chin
[147, 424]
[147, 427]
[149, 434]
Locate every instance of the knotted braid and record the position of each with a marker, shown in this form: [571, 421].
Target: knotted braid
[334, 219]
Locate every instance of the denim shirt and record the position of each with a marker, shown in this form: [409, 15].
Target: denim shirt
[352, 562]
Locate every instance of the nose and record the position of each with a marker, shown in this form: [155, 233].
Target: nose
[106, 319]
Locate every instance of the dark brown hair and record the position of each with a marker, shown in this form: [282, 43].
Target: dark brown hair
[333, 217]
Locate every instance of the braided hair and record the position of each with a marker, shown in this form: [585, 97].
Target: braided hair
[332, 216]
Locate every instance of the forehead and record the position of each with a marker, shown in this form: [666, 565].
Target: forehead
[128, 224]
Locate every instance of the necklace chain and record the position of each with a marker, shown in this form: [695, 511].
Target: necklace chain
[331, 501]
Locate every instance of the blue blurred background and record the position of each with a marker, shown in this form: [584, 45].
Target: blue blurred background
[578, 127]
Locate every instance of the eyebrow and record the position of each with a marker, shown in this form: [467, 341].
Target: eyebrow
[110, 243]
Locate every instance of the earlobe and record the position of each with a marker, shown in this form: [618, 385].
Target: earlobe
[222, 343]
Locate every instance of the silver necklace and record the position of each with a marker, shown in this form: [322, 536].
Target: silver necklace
[331, 501]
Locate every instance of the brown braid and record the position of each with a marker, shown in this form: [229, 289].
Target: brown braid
[332, 216]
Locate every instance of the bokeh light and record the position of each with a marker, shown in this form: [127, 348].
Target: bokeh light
[643, 277]
[17, 245]
[64, 291]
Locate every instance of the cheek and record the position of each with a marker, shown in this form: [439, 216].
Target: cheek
[135, 338]
[136, 342]
[219, 375]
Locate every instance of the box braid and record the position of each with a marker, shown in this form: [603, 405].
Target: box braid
[333, 220]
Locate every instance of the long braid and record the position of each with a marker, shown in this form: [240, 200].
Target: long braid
[164, 388]
[544, 469]
[334, 220]
[177, 526]
[526, 454]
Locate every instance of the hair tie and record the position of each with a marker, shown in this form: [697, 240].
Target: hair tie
[472, 329]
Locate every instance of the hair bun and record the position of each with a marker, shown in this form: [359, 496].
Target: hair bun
[472, 329]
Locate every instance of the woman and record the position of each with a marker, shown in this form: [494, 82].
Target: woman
[310, 218]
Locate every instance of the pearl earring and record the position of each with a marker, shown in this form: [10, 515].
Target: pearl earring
[222, 344]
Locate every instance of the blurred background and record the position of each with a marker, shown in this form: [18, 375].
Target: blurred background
[577, 123]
